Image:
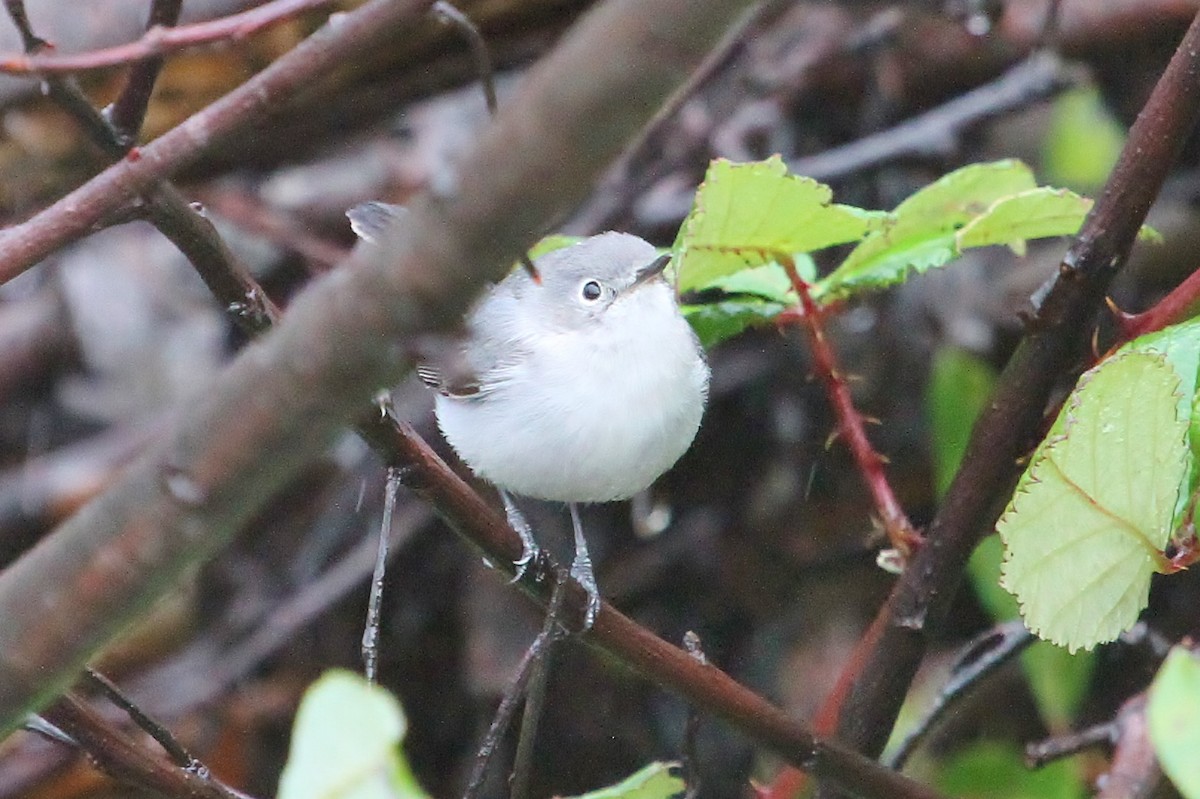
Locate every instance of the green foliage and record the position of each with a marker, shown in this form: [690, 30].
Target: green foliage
[655, 781]
[921, 233]
[749, 214]
[749, 218]
[1083, 141]
[960, 385]
[992, 770]
[1086, 527]
[1173, 716]
[345, 744]
[1033, 214]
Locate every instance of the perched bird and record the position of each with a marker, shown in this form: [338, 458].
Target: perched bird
[581, 384]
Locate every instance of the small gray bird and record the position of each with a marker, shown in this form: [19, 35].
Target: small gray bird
[581, 386]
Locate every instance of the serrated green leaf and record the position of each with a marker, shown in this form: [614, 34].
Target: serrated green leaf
[1034, 214]
[996, 770]
[921, 234]
[1086, 526]
[748, 214]
[1173, 716]
[345, 743]
[655, 781]
[1180, 344]
[715, 322]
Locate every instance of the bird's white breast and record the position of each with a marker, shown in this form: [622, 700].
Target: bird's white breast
[592, 414]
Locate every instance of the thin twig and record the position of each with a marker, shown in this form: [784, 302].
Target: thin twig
[505, 711]
[935, 133]
[116, 755]
[370, 638]
[446, 12]
[981, 657]
[175, 750]
[159, 40]
[691, 728]
[535, 695]
[128, 111]
[1040, 753]
[851, 425]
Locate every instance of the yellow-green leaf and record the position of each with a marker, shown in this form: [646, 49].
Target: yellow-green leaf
[1085, 529]
[749, 214]
[1173, 716]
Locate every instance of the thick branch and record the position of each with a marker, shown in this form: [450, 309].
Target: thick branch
[1010, 422]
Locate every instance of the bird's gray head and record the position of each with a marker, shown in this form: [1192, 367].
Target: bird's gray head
[583, 280]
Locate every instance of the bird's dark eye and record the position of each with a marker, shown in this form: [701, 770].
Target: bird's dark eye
[591, 290]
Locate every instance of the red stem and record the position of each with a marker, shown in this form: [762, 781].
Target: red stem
[851, 423]
[1167, 311]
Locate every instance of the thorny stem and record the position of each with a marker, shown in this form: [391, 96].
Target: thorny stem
[851, 425]
[1167, 311]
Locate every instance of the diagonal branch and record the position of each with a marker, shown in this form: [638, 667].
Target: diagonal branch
[284, 400]
[1008, 426]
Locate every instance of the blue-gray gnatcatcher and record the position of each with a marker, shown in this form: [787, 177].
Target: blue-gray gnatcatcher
[581, 386]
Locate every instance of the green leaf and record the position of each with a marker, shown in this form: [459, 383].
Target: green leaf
[716, 321]
[345, 744]
[1180, 344]
[749, 214]
[769, 281]
[1082, 142]
[959, 387]
[1086, 526]
[1173, 717]
[1034, 214]
[921, 235]
[995, 770]
[555, 241]
[655, 781]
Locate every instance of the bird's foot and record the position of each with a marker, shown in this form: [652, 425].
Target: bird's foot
[529, 547]
[581, 572]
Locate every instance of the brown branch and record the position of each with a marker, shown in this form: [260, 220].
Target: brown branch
[1009, 424]
[935, 133]
[75, 215]
[283, 400]
[129, 110]
[159, 40]
[118, 756]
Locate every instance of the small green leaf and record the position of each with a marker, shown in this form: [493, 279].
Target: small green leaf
[1034, 214]
[995, 770]
[1090, 516]
[655, 781]
[551, 243]
[1173, 716]
[716, 321]
[922, 233]
[345, 744]
[748, 214]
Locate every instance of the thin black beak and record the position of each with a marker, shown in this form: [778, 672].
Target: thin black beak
[652, 270]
